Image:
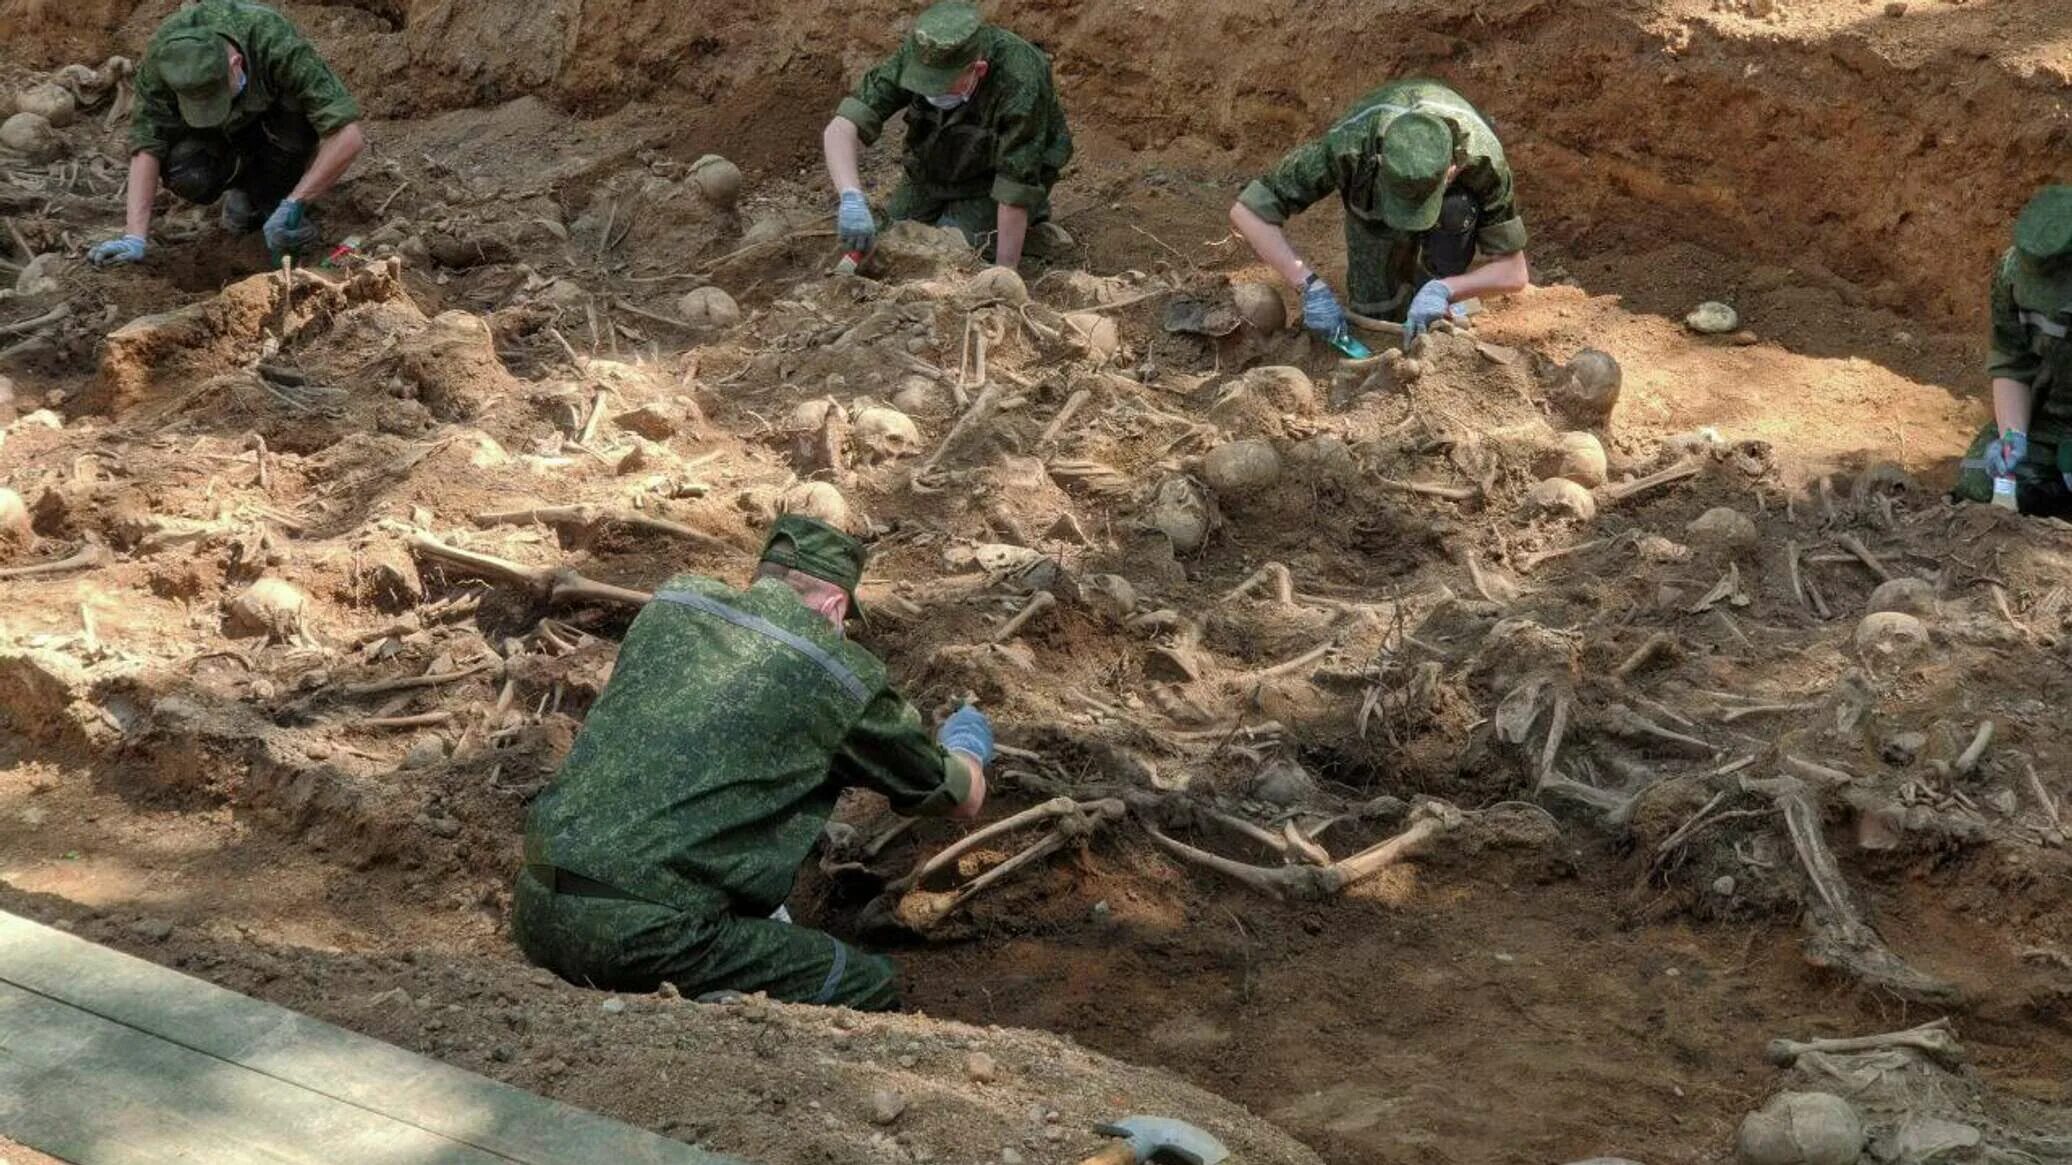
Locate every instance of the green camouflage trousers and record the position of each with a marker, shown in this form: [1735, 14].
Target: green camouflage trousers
[619, 945]
[2040, 480]
[978, 218]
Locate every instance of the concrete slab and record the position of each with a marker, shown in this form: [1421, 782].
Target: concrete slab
[110, 1060]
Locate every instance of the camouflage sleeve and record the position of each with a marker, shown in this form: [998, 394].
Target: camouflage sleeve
[300, 74]
[2012, 357]
[1503, 232]
[877, 97]
[157, 117]
[1301, 178]
[1024, 128]
[889, 750]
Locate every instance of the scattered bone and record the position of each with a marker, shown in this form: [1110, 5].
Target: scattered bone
[993, 285]
[1890, 637]
[886, 434]
[271, 607]
[1313, 883]
[1587, 389]
[1183, 513]
[592, 518]
[1038, 603]
[1801, 1128]
[718, 180]
[1725, 531]
[1109, 595]
[1861, 553]
[1935, 1040]
[1456, 493]
[1628, 489]
[1066, 412]
[1273, 572]
[1967, 762]
[1908, 596]
[15, 532]
[31, 136]
[2044, 800]
[1240, 468]
[413, 683]
[1577, 456]
[1093, 335]
[817, 499]
[1620, 720]
[1559, 495]
[1840, 935]
[708, 307]
[920, 910]
[978, 415]
[1260, 306]
[555, 586]
[1656, 644]
[90, 556]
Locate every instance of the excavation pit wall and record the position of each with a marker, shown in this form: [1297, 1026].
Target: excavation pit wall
[1884, 154]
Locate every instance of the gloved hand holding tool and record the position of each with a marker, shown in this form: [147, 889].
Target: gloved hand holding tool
[1322, 315]
[2006, 453]
[854, 224]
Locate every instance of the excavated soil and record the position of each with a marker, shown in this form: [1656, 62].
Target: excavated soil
[446, 450]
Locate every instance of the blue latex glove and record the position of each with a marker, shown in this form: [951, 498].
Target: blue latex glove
[127, 249]
[1431, 304]
[854, 224]
[288, 230]
[1320, 311]
[969, 732]
[2006, 453]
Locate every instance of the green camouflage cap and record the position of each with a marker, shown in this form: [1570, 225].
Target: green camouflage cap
[1416, 151]
[943, 44]
[811, 546]
[196, 65]
[2043, 247]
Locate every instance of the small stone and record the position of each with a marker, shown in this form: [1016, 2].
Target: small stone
[886, 1105]
[428, 751]
[1744, 339]
[1101, 911]
[668, 990]
[1009, 1156]
[502, 1054]
[1896, 8]
[1054, 1134]
[981, 1068]
[1724, 885]
[1712, 318]
[155, 930]
[909, 1061]
[612, 1006]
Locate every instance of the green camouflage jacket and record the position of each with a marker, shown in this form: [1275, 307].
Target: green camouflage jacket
[732, 722]
[2030, 345]
[281, 68]
[1009, 142]
[1343, 160]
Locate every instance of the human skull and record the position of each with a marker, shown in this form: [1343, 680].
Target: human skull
[886, 434]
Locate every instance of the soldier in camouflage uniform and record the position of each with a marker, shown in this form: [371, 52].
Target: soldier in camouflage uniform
[2030, 436]
[233, 103]
[1425, 188]
[734, 718]
[985, 136]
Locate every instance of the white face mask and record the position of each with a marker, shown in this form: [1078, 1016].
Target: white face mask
[948, 101]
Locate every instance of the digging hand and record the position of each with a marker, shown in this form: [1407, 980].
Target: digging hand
[288, 229]
[968, 731]
[2006, 453]
[854, 224]
[1432, 303]
[127, 249]
[1320, 311]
